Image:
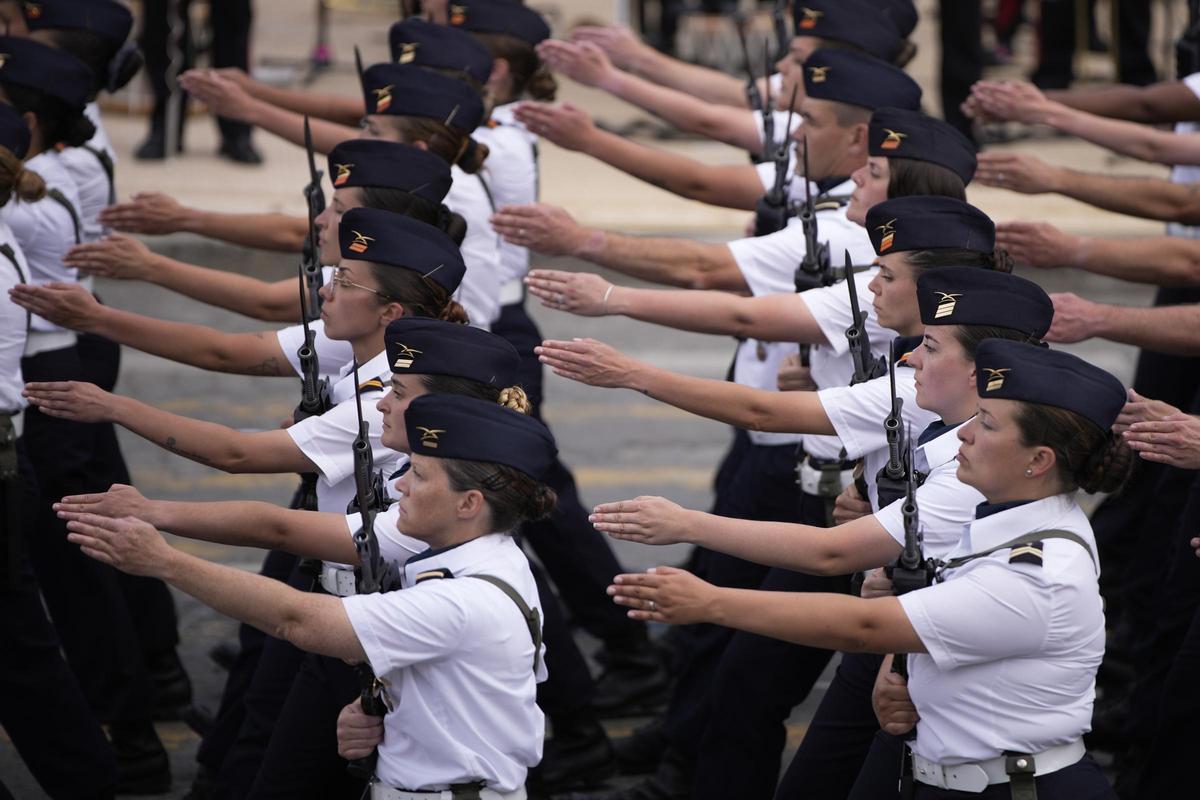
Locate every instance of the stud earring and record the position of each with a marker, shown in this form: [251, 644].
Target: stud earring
[1028, 472]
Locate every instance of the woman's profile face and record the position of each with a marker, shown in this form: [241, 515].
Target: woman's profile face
[870, 188]
[393, 404]
[328, 220]
[895, 289]
[351, 306]
[428, 506]
[945, 375]
[992, 457]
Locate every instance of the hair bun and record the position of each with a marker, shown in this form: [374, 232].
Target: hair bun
[514, 397]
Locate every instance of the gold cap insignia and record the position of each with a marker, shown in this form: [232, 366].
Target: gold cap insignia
[458, 14]
[946, 305]
[810, 18]
[33, 10]
[343, 173]
[3, 59]
[893, 139]
[360, 243]
[888, 229]
[995, 378]
[818, 74]
[429, 436]
[383, 98]
[406, 357]
[408, 53]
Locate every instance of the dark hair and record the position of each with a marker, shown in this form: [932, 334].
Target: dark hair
[512, 397]
[512, 496]
[848, 114]
[1086, 457]
[59, 123]
[529, 75]
[907, 53]
[420, 296]
[399, 201]
[14, 178]
[969, 336]
[908, 177]
[998, 260]
[453, 144]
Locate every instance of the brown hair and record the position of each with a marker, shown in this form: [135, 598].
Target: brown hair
[512, 397]
[410, 205]
[14, 178]
[998, 260]
[451, 143]
[420, 296]
[970, 336]
[529, 75]
[512, 496]
[1086, 457]
[908, 177]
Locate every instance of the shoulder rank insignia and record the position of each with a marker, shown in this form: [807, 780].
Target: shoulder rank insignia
[373, 385]
[1026, 554]
[439, 574]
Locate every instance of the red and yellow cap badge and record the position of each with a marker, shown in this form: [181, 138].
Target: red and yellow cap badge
[458, 14]
[360, 243]
[33, 10]
[809, 19]
[888, 233]
[343, 173]
[383, 98]
[893, 139]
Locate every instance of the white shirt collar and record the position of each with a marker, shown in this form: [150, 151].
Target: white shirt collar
[1003, 526]
[377, 367]
[939, 450]
[475, 556]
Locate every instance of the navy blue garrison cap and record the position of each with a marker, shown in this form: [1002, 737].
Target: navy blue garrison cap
[14, 132]
[962, 296]
[383, 237]
[500, 16]
[467, 428]
[108, 18]
[1018, 371]
[854, 22]
[409, 91]
[375, 162]
[902, 14]
[427, 44]
[844, 76]
[421, 346]
[901, 133]
[25, 62]
[929, 222]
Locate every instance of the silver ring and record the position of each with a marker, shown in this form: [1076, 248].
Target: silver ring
[561, 300]
[652, 605]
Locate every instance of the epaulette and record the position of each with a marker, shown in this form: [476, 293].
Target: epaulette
[441, 573]
[1026, 554]
[827, 205]
[373, 385]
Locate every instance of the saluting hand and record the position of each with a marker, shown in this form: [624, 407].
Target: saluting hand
[583, 62]
[588, 361]
[1040, 244]
[1142, 409]
[582, 293]
[665, 594]
[127, 543]
[358, 733]
[1017, 101]
[119, 501]
[620, 43]
[1019, 172]
[73, 400]
[541, 227]
[224, 97]
[67, 304]
[1075, 319]
[565, 124]
[646, 520]
[892, 703]
[117, 255]
[147, 212]
[1173, 440]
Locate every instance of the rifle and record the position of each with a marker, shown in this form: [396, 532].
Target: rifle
[911, 570]
[891, 482]
[753, 98]
[778, 20]
[773, 210]
[311, 256]
[866, 367]
[813, 270]
[373, 574]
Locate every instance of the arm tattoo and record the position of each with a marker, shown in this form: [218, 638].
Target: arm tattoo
[268, 367]
[170, 445]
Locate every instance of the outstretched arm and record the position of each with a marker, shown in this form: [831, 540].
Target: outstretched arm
[1163, 329]
[550, 230]
[157, 213]
[310, 534]
[72, 306]
[729, 186]
[313, 622]
[1164, 102]
[120, 256]
[206, 443]
[1158, 260]
[597, 364]
[828, 621]
[339, 108]
[857, 545]
[770, 318]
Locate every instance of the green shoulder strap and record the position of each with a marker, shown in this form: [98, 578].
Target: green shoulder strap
[532, 620]
[1028, 538]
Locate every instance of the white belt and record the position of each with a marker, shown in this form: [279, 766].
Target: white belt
[512, 292]
[338, 580]
[823, 483]
[381, 791]
[982, 774]
[45, 341]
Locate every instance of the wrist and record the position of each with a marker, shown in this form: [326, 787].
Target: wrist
[692, 528]
[591, 244]
[119, 409]
[171, 565]
[1081, 249]
[613, 81]
[616, 301]
[640, 378]
[1101, 321]
[1055, 180]
[190, 220]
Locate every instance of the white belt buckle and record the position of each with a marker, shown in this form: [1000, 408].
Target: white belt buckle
[960, 777]
[338, 581]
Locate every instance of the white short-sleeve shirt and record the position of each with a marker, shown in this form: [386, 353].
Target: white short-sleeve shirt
[511, 172]
[1013, 647]
[90, 177]
[479, 292]
[326, 439]
[13, 319]
[458, 662]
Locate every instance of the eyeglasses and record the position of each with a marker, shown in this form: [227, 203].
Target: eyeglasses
[339, 279]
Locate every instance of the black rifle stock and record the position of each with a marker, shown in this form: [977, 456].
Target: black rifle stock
[813, 270]
[911, 570]
[779, 21]
[891, 482]
[754, 98]
[773, 210]
[866, 366]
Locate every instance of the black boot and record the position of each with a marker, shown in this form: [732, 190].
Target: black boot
[172, 688]
[633, 681]
[671, 781]
[239, 149]
[641, 751]
[578, 756]
[154, 146]
[142, 763]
